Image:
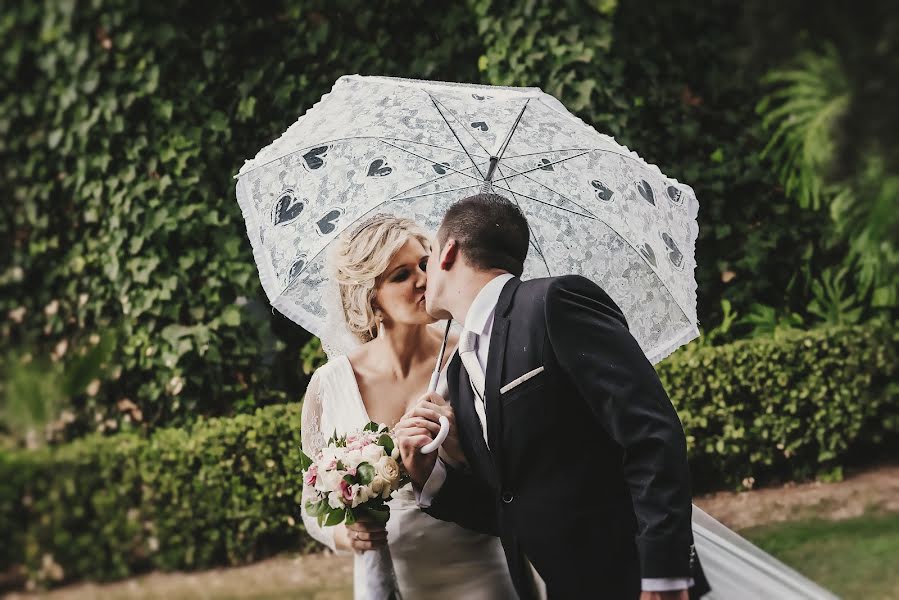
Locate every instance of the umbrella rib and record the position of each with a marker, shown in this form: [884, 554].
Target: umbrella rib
[627, 241]
[554, 150]
[432, 161]
[455, 135]
[563, 196]
[432, 146]
[533, 235]
[459, 189]
[335, 140]
[407, 190]
[574, 212]
[512, 131]
[545, 165]
[462, 125]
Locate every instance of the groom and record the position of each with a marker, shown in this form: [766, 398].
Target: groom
[576, 458]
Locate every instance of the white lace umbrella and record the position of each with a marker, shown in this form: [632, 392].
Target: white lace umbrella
[413, 148]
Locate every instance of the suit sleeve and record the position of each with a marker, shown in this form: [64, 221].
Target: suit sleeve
[466, 500]
[593, 346]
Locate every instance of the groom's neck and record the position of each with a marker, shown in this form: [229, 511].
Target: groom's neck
[470, 285]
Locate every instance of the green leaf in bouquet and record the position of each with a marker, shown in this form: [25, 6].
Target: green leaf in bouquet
[338, 441]
[372, 426]
[365, 472]
[335, 517]
[316, 509]
[305, 461]
[379, 514]
[340, 466]
[386, 442]
[350, 517]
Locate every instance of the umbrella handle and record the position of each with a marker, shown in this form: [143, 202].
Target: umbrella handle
[439, 439]
[432, 387]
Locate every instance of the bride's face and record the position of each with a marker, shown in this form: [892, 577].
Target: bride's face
[400, 291]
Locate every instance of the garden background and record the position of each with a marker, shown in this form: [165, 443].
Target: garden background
[149, 416]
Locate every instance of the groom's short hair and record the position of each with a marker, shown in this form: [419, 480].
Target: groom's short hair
[491, 231]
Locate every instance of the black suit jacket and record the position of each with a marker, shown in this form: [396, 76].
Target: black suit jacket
[586, 472]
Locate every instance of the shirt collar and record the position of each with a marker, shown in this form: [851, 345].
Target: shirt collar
[479, 315]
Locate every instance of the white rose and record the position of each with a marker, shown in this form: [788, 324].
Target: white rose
[352, 459]
[329, 481]
[395, 454]
[372, 453]
[388, 468]
[329, 454]
[335, 500]
[377, 485]
[361, 494]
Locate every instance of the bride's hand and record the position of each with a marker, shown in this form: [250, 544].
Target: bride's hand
[363, 535]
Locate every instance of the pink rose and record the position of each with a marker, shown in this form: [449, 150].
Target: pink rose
[312, 475]
[346, 490]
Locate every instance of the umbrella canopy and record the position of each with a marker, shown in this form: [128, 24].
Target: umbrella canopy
[413, 148]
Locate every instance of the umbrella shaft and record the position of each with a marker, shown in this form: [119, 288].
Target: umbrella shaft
[488, 179]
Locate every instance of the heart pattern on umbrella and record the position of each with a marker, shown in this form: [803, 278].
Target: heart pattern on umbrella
[674, 254]
[379, 168]
[287, 208]
[646, 191]
[648, 254]
[675, 194]
[328, 223]
[314, 159]
[480, 125]
[440, 168]
[297, 267]
[603, 192]
[545, 165]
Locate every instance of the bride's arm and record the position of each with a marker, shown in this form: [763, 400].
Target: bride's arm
[336, 537]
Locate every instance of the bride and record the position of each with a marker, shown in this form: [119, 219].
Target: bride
[379, 269]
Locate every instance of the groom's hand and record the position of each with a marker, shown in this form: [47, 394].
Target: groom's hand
[673, 595]
[417, 428]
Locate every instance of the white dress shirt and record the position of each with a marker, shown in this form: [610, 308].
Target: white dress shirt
[480, 321]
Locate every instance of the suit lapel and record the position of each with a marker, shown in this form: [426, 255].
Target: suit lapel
[493, 376]
[492, 380]
[462, 401]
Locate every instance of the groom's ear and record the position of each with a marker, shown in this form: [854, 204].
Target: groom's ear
[448, 254]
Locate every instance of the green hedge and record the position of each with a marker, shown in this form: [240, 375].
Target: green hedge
[788, 408]
[122, 123]
[225, 491]
[121, 126]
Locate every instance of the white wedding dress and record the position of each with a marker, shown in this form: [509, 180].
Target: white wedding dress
[433, 559]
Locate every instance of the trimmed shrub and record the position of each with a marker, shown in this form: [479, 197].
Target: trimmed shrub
[224, 491]
[791, 408]
[227, 490]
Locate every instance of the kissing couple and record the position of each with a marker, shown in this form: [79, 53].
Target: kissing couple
[565, 472]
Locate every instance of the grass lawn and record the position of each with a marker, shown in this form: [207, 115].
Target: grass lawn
[855, 558]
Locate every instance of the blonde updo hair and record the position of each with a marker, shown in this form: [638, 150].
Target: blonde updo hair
[359, 260]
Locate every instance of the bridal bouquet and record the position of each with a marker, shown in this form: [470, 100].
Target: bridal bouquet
[354, 476]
